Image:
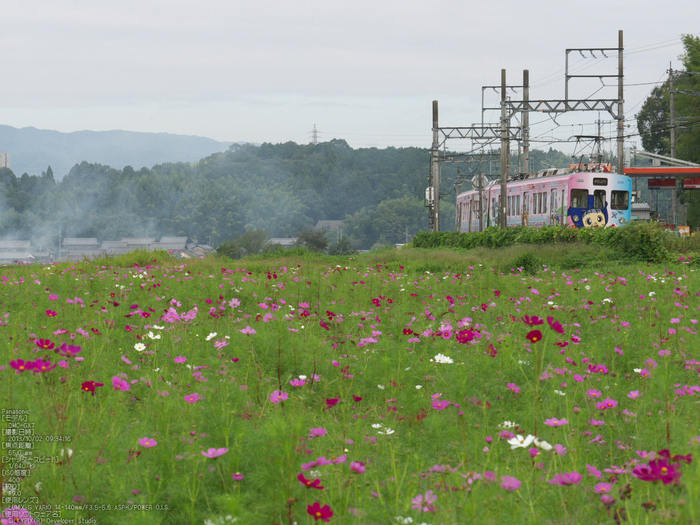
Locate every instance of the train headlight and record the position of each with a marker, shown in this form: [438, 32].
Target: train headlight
[576, 218]
[622, 220]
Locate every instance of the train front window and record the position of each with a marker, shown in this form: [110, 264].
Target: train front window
[579, 198]
[620, 200]
[599, 199]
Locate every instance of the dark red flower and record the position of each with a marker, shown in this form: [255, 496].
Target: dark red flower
[315, 484]
[407, 331]
[534, 336]
[332, 401]
[324, 325]
[89, 386]
[320, 513]
[357, 399]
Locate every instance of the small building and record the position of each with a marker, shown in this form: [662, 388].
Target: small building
[139, 243]
[641, 211]
[5, 160]
[285, 242]
[114, 247]
[329, 226]
[171, 244]
[79, 248]
[14, 246]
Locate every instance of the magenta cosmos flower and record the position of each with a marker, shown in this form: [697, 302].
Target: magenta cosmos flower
[555, 325]
[424, 503]
[147, 442]
[119, 384]
[357, 466]
[317, 432]
[533, 321]
[319, 513]
[214, 452]
[277, 396]
[90, 386]
[20, 365]
[606, 403]
[46, 344]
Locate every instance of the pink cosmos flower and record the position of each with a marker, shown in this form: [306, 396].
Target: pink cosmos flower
[50, 313]
[510, 483]
[560, 449]
[554, 422]
[297, 382]
[602, 488]
[515, 388]
[568, 478]
[424, 503]
[606, 403]
[592, 471]
[278, 396]
[594, 393]
[192, 398]
[119, 384]
[317, 432]
[126, 360]
[237, 476]
[357, 466]
[634, 394]
[53, 297]
[214, 452]
[533, 321]
[180, 359]
[440, 405]
[147, 442]
[248, 331]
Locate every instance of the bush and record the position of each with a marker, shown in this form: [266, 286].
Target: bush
[342, 247]
[312, 240]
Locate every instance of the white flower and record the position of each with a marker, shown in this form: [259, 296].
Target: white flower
[441, 358]
[638, 370]
[559, 392]
[139, 347]
[315, 473]
[387, 431]
[381, 387]
[302, 377]
[153, 336]
[377, 425]
[520, 441]
[607, 300]
[211, 336]
[651, 294]
[158, 327]
[66, 451]
[543, 445]
[587, 287]
[418, 387]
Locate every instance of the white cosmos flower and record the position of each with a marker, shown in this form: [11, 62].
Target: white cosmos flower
[418, 387]
[651, 294]
[211, 336]
[381, 387]
[520, 441]
[559, 392]
[67, 452]
[441, 358]
[377, 425]
[387, 431]
[543, 445]
[139, 347]
[158, 327]
[153, 336]
[302, 377]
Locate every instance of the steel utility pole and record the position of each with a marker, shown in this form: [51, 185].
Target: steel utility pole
[620, 103]
[672, 111]
[434, 188]
[505, 146]
[526, 121]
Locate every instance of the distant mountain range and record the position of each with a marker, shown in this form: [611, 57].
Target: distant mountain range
[33, 150]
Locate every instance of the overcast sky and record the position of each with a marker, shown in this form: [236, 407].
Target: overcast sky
[362, 70]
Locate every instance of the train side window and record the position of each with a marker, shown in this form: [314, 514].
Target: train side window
[544, 202]
[620, 200]
[599, 199]
[579, 198]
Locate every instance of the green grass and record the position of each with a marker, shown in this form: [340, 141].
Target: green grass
[452, 449]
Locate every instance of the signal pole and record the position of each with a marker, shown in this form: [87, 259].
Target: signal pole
[672, 110]
[434, 188]
[526, 121]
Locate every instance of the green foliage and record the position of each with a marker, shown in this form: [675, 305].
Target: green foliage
[313, 240]
[642, 241]
[342, 247]
[253, 241]
[527, 262]
[229, 249]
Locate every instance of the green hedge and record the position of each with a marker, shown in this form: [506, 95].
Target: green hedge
[643, 241]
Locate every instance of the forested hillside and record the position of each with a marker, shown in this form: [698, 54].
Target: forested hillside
[282, 188]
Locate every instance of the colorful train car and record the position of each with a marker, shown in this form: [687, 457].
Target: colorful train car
[579, 199]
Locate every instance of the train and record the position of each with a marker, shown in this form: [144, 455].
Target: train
[581, 196]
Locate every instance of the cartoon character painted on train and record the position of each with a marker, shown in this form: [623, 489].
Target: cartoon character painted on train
[588, 217]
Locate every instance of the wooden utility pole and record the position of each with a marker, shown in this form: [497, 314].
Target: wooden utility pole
[526, 121]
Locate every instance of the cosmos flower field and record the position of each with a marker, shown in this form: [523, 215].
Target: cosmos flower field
[349, 392]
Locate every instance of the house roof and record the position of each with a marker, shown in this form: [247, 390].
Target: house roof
[141, 241]
[16, 245]
[284, 241]
[80, 241]
[171, 240]
[113, 244]
[640, 206]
